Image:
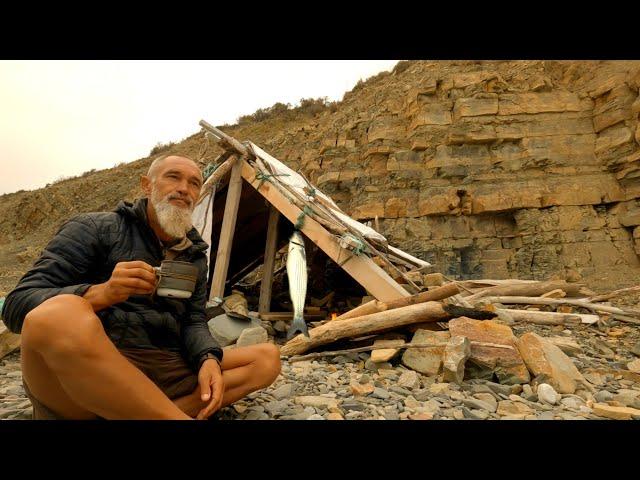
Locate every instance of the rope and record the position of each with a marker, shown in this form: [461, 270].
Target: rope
[266, 177]
[209, 169]
[300, 221]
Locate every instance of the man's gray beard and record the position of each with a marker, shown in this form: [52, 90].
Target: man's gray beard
[173, 220]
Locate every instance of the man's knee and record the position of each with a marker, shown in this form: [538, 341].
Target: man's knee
[269, 360]
[67, 321]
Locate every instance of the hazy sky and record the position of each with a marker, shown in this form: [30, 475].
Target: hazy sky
[62, 118]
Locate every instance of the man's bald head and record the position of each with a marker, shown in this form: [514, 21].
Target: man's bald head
[158, 163]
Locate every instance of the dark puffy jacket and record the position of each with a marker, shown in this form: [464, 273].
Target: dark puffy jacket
[85, 251]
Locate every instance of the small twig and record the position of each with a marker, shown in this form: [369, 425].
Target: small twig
[299, 358]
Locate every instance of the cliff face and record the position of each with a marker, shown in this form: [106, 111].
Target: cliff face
[525, 169]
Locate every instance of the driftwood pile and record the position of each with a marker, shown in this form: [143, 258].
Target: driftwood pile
[554, 302]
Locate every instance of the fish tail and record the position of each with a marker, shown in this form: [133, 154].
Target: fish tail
[297, 326]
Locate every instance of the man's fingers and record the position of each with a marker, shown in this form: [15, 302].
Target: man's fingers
[140, 273]
[136, 284]
[205, 389]
[135, 264]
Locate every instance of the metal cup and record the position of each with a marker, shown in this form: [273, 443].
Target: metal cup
[176, 279]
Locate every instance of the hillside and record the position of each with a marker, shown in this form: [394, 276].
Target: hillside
[526, 169]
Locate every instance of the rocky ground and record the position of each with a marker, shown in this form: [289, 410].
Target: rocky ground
[351, 387]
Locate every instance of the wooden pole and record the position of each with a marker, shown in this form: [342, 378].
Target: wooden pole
[374, 306]
[224, 138]
[376, 322]
[264, 304]
[545, 318]
[226, 233]
[527, 290]
[557, 301]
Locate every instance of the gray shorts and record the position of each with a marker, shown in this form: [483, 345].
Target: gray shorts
[168, 370]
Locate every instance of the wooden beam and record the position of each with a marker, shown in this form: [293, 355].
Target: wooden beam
[224, 138]
[264, 305]
[226, 233]
[374, 306]
[361, 268]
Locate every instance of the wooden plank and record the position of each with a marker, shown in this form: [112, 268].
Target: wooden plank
[264, 303]
[361, 268]
[226, 233]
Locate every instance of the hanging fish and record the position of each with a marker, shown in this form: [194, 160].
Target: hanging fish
[297, 273]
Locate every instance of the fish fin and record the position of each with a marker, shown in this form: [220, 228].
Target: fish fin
[297, 326]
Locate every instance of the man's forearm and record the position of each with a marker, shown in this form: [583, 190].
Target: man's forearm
[97, 298]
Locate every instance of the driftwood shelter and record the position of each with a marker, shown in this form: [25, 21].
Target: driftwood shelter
[249, 203]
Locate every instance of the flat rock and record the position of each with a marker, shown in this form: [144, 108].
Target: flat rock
[316, 401]
[489, 399]
[508, 407]
[634, 366]
[283, 391]
[420, 416]
[603, 396]
[334, 416]
[252, 336]
[545, 416]
[636, 349]
[276, 407]
[543, 357]
[567, 345]
[226, 330]
[280, 326]
[409, 379]
[628, 398]
[380, 393]
[361, 389]
[427, 361]
[615, 413]
[455, 356]
[437, 388]
[473, 403]
[505, 361]
[385, 350]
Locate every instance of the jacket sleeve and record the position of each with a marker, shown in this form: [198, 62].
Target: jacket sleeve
[63, 268]
[196, 337]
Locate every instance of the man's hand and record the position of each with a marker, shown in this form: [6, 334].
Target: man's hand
[211, 388]
[127, 278]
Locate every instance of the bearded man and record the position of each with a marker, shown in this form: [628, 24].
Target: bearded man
[97, 342]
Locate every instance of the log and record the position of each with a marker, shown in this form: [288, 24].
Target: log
[374, 306]
[527, 290]
[615, 293]
[560, 301]
[222, 170]
[545, 318]
[375, 322]
[224, 138]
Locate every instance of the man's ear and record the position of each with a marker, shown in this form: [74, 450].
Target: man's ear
[145, 184]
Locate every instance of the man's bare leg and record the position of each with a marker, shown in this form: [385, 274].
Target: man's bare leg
[72, 367]
[244, 370]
